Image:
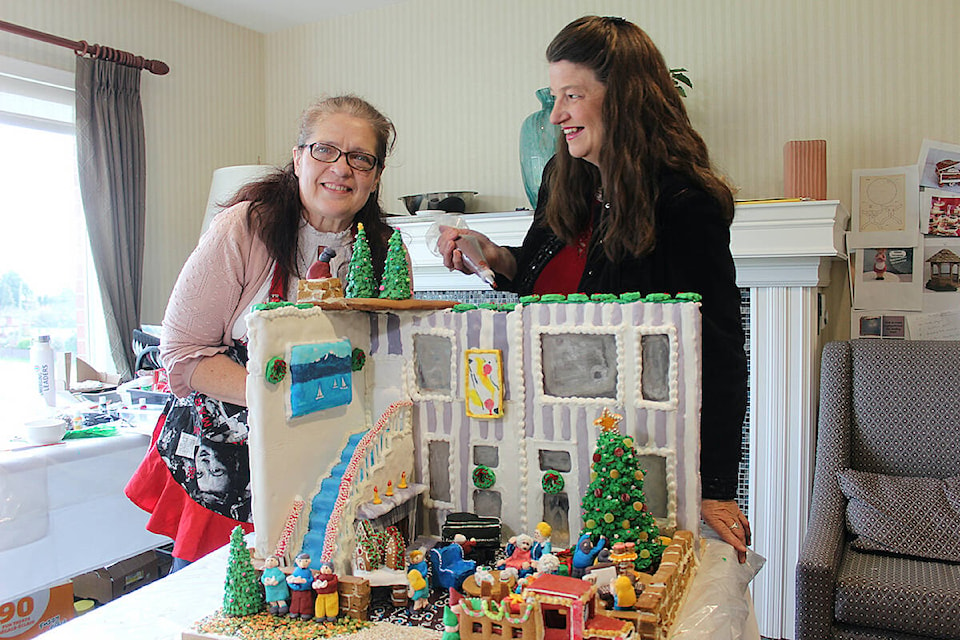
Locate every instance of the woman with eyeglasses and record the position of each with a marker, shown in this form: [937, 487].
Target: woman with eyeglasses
[255, 251]
[631, 203]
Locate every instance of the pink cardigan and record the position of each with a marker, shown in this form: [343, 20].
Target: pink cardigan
[215, 288]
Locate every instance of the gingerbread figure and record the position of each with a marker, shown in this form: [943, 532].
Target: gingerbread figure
[301, 593]
[328, 600]
[275, 587]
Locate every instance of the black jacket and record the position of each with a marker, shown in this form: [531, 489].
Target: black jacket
[692, 254]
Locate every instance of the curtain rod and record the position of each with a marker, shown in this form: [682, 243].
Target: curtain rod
[81, 48]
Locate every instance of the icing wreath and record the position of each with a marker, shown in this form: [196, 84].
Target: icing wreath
[276, 369]
[483, 477]
[552, 482]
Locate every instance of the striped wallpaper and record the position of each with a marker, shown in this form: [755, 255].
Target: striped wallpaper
[871, 77]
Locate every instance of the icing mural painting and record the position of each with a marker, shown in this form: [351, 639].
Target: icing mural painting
[442, 393]
[484, 383]
[320, 377]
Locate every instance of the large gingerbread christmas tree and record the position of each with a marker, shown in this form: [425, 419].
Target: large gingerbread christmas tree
[242, 595]
[360, 280]
[396, 271]
[614, 505]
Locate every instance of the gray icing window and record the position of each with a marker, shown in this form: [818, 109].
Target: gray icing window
[432, 357]
[577, 365]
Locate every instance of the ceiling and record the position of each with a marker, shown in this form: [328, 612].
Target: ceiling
[267, 16]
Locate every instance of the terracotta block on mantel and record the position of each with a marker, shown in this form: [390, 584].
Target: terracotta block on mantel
[805, 169]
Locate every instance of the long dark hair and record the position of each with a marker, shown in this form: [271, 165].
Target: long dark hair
[275, 210]
[646, 131]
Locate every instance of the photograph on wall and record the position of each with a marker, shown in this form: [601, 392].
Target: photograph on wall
[888, 278]
[941, 274]
[484, 384]
[940, 212]
[880, 325]
[939, 165]
[885, 208]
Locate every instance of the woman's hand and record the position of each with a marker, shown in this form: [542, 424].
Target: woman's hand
[725, 517]
[499, 259]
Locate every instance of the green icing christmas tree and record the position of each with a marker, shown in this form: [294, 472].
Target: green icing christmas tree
[360, 281]
[396, 273]
[242, 595]
[614, 505]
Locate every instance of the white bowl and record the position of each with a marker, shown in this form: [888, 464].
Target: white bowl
[45, 430]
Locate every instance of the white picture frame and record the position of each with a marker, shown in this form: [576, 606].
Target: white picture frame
[885, 208]
[892, 282]
[931, 153]
[940, 212]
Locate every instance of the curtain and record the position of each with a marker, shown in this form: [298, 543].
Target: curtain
[112, 167]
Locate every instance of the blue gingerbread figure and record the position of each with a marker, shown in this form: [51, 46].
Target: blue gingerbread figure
[585, 554]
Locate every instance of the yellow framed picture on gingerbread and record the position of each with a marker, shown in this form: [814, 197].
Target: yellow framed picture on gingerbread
[484, 383]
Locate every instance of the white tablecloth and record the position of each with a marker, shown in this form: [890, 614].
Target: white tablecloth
[63, 511]
[164, 609]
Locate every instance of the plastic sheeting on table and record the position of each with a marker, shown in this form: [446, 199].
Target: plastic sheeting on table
[63, 511]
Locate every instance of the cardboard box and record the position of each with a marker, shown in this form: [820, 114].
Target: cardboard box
[109, 583]
[31, 615]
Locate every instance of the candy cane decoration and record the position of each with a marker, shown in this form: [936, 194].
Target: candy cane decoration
[289, 526]
[329, 544]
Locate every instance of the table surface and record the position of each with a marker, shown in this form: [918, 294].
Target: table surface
[63, 511]
[164, 609]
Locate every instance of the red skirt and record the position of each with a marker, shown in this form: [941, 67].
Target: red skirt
[196, 531]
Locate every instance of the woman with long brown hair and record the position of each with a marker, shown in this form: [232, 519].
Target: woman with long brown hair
[255, 251]
[630, 202]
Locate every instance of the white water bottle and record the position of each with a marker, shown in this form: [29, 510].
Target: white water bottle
[41, 358]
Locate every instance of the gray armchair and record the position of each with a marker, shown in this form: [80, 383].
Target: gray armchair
[888, 407]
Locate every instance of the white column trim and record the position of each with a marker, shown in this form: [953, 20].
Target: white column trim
[783, 326]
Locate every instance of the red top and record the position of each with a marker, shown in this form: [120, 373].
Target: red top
[564, 271]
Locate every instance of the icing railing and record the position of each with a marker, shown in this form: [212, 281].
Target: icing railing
[364, 457]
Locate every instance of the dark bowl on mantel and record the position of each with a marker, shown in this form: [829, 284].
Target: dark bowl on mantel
[449, 201]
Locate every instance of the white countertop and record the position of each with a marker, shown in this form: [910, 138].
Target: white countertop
[63, 511]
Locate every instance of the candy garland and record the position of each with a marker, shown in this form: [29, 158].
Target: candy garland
[289, 526]
[501, 611]
[359, 453]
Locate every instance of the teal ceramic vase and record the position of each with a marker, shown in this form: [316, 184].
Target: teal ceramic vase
[538, 143]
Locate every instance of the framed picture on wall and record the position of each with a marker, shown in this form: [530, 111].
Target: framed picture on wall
[939, 165]
[885, 208]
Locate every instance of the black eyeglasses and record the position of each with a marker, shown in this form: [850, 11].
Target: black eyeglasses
[328, 153]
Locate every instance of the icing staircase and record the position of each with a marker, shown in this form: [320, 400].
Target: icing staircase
[322, 505]
[349, 480]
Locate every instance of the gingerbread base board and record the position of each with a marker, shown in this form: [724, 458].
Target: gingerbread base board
[382, 304]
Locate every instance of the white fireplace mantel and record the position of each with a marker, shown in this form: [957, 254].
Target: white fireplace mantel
[783, 252]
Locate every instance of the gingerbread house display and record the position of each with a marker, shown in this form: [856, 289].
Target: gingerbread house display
[374, 389]
[551, 607]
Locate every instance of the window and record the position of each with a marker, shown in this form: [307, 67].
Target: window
[579, 365]
[487, 502]
[655, 375]
[438, 461]
[555, 460]
[47, 281]
[432, 357]
[486, 455]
